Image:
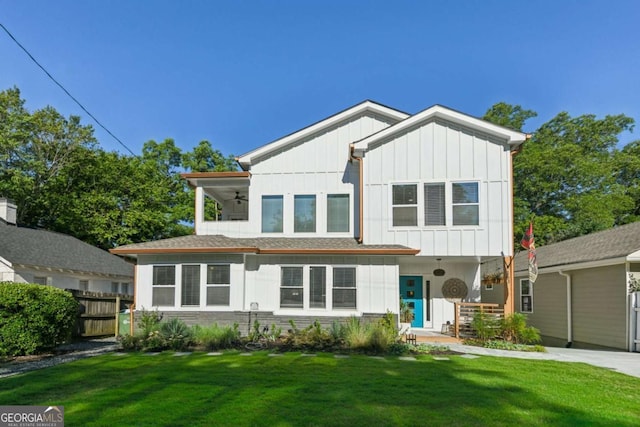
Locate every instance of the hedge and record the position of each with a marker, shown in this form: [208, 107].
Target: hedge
[34, 318]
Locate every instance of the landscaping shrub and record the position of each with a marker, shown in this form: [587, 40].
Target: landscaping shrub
[176, 334]
[313, 337]
[34, 318]
[514, 329]
[215, 337]
[485, 326]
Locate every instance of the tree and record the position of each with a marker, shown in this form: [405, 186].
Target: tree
[565, 178]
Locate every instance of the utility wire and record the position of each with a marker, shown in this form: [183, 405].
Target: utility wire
[65, 90]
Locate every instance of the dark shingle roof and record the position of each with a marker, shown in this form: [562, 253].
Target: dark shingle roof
[43, 248]
[612, 243]
[219, 243]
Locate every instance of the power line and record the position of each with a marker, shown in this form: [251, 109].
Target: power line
[65, 90]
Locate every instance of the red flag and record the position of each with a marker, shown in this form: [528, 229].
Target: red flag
[527, 239]
[529, 243]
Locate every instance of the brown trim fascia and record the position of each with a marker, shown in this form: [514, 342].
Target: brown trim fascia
[196, 175]
[353, 157]
[355, 251]
[183, 250]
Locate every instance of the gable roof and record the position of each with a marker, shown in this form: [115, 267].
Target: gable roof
[440, 112]
[45, 249]
[613, 244]
[367, 106]
[261, 245]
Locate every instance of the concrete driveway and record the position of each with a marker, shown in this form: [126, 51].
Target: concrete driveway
[619, 361]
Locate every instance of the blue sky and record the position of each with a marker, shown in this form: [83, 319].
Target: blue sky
[243, 73]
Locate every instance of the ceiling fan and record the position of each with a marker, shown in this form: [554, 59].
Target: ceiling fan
[239, 199]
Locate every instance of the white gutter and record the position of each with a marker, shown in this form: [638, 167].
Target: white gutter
[569, 310]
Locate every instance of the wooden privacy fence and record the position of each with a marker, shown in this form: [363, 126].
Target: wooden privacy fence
[465, 312]
[98, 312]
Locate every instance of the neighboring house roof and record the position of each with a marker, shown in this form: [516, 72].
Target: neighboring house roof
[262, 245]
[614, 243]
[367, 106]
[45, 249]
[452, 116]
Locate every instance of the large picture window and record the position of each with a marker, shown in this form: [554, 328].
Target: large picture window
[434, 204]
[190, 285]
[291, 291]
[526, 296]
[337, 213]
[344, 287]
[465, 201]
[272, 214]
[218, 284]
[304, 214]
[163, 285]
[405, 205]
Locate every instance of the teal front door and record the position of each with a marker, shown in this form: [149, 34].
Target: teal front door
[411, 292]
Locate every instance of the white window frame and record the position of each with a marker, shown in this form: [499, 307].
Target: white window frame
[325, 305]
[528, 295]
[452, 204]
[198, 285]
[174, 286]
[348, 218]
[301, 288]
[354, 287]
[415, 205]
[444, 184]
[216, 285]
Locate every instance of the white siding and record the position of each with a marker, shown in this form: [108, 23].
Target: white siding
[258, 281]
[69, 280]
[437, 152]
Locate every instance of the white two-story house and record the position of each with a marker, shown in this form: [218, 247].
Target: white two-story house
[340, 219]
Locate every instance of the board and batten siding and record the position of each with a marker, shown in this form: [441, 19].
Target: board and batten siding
[317, 165]
[549, 305]
[599, 306]
[440, 152]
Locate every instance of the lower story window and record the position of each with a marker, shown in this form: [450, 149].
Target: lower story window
[526, 296]
[317, 287]
[291, 291]
[83, 285]
[190, 285]
[344, 287]
[164, 285]
[40, 280]
[218, 284]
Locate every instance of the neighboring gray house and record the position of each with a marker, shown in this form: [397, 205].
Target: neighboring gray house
[40, 256]
[581, 296]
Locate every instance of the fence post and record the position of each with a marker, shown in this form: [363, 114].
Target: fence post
[456, 326]
[117, 315]
[131, 310]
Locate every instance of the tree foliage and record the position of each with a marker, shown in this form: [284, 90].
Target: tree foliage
[52, 168]
[568, 177]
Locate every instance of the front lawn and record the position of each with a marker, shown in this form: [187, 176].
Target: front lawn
[294, 389]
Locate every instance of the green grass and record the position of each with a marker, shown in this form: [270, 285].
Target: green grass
[292, 390]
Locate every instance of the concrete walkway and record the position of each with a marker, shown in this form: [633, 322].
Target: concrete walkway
[619, 361]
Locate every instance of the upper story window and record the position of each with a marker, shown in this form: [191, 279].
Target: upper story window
[434, 204]
[405, 205]
[304, 214]
[466, 206]
[164, 283]
[337, 213]
[272, 214]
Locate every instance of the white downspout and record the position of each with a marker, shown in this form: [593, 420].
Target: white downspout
[569, 310]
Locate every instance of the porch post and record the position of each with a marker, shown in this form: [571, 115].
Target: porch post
[509, 277]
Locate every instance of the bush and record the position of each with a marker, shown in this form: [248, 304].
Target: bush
[514, 329]
[313, 337]
[176, 334]
[34, 318]
[485, 326]
[215, 337]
